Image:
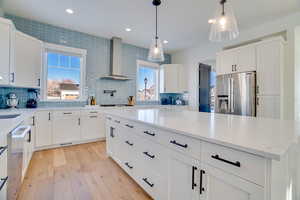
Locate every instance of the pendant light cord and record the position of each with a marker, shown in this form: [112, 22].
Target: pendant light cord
[156, 27]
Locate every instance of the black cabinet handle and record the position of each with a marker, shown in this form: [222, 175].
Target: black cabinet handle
[130, 144]
[67, 113]
[117, 121]
[201, 181]
[112, 132]
[3, 149]
[109, 118]
[29, 137]
[94, 116]
[13, 77]
[39, 82]
[178, 144]
[127, 164]
[49, 116]
[150, 156]
[33, 121]
[217, 157]
[148, 183]
[79, 121]
[129, 126]
[149, 133]
[93, 112]
[193, 177]
[3, 181]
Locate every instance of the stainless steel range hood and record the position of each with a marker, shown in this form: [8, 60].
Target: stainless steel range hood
[116, 72]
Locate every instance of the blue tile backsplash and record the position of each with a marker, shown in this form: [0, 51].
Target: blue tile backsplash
[97, 64]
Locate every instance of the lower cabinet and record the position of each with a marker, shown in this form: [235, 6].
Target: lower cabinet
[92, 126]
[44, 129]
[217, 183]
[66, 127]
[184, 177]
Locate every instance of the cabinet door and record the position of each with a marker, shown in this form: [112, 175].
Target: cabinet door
[217, 184]
[66, 130]
[4, 53]
[183, 177]
[171, 83]
[228, 61]
[268, 107]
[92, 126]
[246, 59]
[28, 60]
[43, 136]
[269, 60]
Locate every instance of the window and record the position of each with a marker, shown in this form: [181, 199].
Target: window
[64, 73]
[147, 81]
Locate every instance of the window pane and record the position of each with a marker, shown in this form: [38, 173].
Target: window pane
[147, 84]
[63, 82]
[64, 60]
[53, 59]
[75, 62]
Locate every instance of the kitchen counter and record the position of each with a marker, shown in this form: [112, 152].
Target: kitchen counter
[268, 138]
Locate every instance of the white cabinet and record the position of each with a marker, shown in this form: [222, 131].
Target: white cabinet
[28, 60]
[28, 144]
[268, 106]
[66, 127]
[44, 129]
[113, 140]
[217, 184]
[183, 177]
[172, 79]
[6, 53]
[92, 125]
[236, 60]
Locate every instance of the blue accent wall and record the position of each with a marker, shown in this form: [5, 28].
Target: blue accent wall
[98, 59]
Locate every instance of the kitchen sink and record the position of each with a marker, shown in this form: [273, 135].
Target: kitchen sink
[11, 116]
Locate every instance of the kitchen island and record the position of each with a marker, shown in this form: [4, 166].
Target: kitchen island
[178, 154]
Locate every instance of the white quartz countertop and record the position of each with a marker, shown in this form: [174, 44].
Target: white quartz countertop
[269, 138]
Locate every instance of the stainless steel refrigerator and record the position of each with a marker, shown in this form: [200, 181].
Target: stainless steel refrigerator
[235, 94]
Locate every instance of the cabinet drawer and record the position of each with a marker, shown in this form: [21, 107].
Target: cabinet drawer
[153, 156]
[90, 112]
[65, 113]
[149, 133]
[154, 185]
[183, 144]
[3, 162]
[242, 164]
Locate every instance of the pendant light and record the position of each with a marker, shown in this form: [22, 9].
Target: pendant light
[224, 26]
[156, 52]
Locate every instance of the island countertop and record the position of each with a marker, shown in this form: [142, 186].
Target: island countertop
[270, 138]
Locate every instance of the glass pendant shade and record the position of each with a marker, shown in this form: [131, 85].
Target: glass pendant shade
[224, 24]
[156, 52]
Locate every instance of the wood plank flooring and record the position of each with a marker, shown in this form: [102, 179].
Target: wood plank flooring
[80, 172]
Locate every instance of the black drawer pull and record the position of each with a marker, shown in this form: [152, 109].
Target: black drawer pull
[150, 156]
[3, 149]
[178, 144]
[217, 157]
[129, 126]
[94, 116]
[109, 118]
[146, 181]
[67, 113]
[3, 181]
[127, 164]
[93, 112]
[201, 181]
[68, 143]
[130, 144]
[117, 121]
[149, 133]
[193, 177]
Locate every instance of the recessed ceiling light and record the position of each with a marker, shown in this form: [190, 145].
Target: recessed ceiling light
[128, 29]
[165, 41]
[70, 11]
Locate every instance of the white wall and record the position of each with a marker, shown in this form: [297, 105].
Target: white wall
[191, 57]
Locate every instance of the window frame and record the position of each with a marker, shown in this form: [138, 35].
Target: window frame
[152, 65]
[55, 48]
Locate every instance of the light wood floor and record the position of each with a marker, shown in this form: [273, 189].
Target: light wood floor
[80, 172]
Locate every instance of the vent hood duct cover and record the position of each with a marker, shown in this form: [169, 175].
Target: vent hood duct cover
[116, 61]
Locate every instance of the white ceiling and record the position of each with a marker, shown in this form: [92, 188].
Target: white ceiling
[182, 22]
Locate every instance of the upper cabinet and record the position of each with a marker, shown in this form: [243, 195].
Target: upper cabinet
[236, 60]
[6, 55]
[172, 79]
[28, 60]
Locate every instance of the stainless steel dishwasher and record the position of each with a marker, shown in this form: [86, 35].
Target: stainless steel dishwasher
[16, 141]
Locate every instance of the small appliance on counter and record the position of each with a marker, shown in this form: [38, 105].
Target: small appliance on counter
[32, 101]
[131, 101]
[12, 100]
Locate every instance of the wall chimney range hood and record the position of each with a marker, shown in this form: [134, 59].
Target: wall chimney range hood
[116, 61]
